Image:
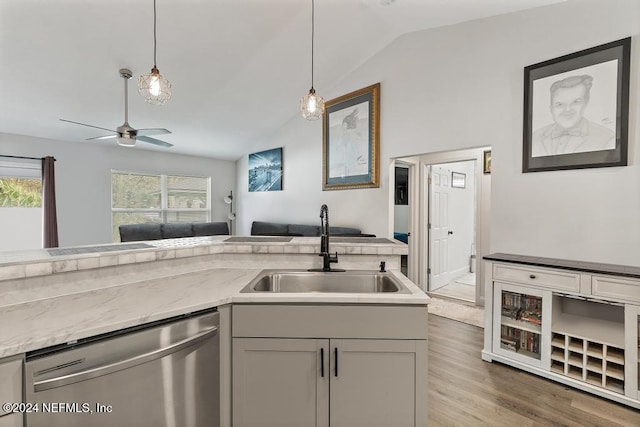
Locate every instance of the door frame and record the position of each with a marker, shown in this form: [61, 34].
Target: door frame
[418, 226]
[412, 164]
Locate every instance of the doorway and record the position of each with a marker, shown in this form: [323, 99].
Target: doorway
[452, 254]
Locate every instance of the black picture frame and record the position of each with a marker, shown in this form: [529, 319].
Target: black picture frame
[576, 110]
[351, 140]
[265, 170]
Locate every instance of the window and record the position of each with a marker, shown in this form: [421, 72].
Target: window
[20, 203]
[139, 198]
[20, 183]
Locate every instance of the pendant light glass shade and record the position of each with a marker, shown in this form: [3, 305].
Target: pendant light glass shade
[154, 88]
[312, 104]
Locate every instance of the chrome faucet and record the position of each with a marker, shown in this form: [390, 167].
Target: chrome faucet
[325, 253]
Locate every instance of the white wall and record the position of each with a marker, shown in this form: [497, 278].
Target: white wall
[462, 86]
[26, 236]
[300, 200]
[83, 180]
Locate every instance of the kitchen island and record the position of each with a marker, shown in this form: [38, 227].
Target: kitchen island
[47, 299]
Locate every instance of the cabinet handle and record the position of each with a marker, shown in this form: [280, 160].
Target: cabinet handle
[322, 362]
[335, 352]
[532, 276]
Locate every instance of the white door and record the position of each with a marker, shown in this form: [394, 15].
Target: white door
[439, 231]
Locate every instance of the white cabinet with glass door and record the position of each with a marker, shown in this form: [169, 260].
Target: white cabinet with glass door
[521, 323]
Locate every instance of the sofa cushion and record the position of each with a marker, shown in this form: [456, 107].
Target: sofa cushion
[303, 230]
[210, 228]
[345, 230]
[259, 228]
[175, 230]
[139, 232]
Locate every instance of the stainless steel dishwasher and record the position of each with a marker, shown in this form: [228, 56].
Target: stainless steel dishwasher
[162, 374]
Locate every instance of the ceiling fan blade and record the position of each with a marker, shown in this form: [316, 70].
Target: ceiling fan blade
[91, 126]
[152, 131]
[153, 141]
[103, 137]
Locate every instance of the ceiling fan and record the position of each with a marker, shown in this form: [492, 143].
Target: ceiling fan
[125, 134]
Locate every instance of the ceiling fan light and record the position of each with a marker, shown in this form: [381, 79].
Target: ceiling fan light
[312, 105]
[126, 142]
[154, 88]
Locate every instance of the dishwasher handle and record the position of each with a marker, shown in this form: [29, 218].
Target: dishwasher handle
[123, 364]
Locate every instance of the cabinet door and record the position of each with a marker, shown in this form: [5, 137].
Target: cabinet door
[280, 383]
[521, 324]
[632, 350]
[10, 389]
[378, 383]
[13, 420]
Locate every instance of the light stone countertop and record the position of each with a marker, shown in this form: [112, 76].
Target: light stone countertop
[41, 262]
[57, 307]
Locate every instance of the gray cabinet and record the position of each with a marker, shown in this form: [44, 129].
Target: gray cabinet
[354, 376]
[11, 389]
[378, 383]
[278, 382]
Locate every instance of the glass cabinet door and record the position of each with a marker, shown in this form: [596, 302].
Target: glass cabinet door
[518, 323]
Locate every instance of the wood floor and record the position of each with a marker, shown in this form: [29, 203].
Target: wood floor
[466, 391]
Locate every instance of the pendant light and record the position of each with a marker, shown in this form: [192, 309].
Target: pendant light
[153, 87]
[312, 105]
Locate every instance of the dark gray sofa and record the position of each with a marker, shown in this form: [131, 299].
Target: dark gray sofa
[153, 231]
[259, 228]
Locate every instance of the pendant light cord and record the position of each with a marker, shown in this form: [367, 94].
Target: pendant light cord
[312, 34]
[154, 34]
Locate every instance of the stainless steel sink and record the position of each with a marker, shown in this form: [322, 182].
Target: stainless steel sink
[357, 281]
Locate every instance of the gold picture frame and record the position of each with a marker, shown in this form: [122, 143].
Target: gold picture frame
[351, 140]
[486, 161]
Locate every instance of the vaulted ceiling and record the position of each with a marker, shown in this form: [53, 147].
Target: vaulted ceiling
[238, 67]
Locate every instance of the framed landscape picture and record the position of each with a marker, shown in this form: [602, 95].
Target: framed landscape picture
[576, 110]
[351, 140]
[265, 170]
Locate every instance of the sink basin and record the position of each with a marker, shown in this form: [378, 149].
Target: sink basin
[357, 281]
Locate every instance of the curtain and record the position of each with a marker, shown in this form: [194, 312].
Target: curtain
[50, 217]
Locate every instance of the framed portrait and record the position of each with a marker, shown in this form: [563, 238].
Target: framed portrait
[576, 110]
[458, 180]
[265, 170]
[486, 161]
[351, 140]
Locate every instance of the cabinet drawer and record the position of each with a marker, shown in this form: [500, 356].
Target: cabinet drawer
[341, 321]
[616, 288]
[554, 279]
[10, 382]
